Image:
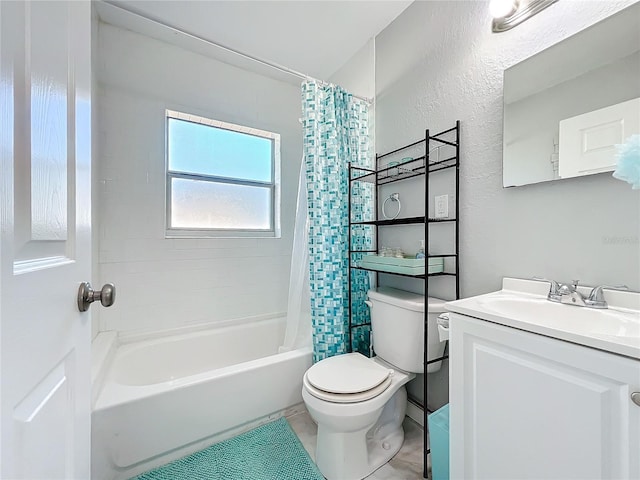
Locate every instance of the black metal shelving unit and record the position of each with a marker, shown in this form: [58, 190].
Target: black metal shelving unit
[410, 168]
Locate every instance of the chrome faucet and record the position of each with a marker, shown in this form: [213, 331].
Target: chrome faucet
[596, 297]
[568, 294]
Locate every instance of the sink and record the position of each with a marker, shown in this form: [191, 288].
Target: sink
[592, 321]
[523, 304]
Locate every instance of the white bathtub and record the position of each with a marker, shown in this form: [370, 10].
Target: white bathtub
[164, 397]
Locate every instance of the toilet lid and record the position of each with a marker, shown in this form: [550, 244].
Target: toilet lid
[346, 397]
[347, 374]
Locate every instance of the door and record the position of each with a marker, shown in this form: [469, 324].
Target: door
[528, 406]
[588, 142]
[45, 205]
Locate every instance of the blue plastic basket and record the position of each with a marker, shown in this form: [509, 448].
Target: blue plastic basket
[439, 442]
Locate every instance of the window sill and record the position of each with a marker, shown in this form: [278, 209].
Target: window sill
[186, 233]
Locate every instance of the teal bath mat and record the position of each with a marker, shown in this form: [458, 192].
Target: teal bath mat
[270, 452]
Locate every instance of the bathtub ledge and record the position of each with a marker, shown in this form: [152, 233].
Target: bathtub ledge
[125, 337]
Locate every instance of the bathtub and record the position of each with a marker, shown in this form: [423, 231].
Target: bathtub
[161, 398]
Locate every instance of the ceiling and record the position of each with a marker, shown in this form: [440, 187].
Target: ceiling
[312, 37]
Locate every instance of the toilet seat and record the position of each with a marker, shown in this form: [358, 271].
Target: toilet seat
[347, 378]
[345, 397]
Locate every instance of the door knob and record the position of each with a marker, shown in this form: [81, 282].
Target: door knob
[86, 295]
[635, 397]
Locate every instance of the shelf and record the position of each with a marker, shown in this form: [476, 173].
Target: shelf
[434, 137]
[441, 220]
[444, 167]
[391, 273]
[401, 175]
[395, 221]
[440, 274]
[401, 148]
[434, 153]
[403, 171]
[404, 221]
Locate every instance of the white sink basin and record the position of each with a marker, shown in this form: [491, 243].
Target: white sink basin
[523, 304]
[590, 321]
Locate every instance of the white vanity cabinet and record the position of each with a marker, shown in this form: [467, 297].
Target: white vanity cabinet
[524, 405]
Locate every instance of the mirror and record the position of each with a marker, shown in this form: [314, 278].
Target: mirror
[567, 107]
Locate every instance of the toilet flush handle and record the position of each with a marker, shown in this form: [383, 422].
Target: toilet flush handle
[368, 303]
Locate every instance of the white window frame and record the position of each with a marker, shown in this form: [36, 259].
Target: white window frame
[179, 232]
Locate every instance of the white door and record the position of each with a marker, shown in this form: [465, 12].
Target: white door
[45, 229]
[588, 141]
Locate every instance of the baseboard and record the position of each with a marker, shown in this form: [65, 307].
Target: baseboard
[295, 410]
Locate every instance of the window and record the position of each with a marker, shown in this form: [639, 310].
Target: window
[222, 179]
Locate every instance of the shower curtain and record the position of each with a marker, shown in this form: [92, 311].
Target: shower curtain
[336, 134]
[298, 332]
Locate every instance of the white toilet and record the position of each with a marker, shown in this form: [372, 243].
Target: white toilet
[359, 403]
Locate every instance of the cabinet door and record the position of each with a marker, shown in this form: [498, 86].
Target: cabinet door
[528, 406]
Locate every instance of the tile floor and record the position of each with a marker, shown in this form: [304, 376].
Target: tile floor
[406, 465]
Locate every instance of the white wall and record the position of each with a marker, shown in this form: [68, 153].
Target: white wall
[165, 283]
[358, 75]
[439, 62]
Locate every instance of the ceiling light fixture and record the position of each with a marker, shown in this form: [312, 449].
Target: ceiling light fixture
[502, 8]
[509, 13]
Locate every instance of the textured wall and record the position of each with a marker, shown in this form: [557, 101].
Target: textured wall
[439, 62]
[164, 283]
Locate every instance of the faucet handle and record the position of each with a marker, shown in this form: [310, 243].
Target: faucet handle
[574, 284]
[553, 289]
[597, 294]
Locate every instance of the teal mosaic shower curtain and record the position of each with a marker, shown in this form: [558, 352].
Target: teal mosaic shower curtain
[336, 134]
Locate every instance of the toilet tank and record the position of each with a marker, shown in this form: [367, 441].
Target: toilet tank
[397, 323]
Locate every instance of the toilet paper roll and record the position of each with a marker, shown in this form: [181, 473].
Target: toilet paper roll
[443, 333]
[443, 327]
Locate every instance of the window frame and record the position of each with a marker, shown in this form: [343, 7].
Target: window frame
[274, 185]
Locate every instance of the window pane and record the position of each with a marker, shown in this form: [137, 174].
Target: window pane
[196, 148]
[198, 204]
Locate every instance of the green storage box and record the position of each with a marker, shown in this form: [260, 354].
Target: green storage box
[408, 266]
[439, 443]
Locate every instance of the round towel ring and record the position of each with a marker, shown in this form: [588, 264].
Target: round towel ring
[394, 197]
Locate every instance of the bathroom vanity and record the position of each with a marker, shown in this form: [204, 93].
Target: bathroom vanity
[544, 390]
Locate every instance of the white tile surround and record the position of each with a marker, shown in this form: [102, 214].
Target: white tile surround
[405, 465]
[165, 283]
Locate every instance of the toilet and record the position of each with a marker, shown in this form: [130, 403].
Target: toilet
[359, 403]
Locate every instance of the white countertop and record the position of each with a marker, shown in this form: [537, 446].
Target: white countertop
[523, 304]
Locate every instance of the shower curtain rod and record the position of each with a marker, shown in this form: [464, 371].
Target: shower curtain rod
[266, 63]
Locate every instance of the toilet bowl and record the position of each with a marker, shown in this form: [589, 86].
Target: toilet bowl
[359, 403]
[362, 429]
